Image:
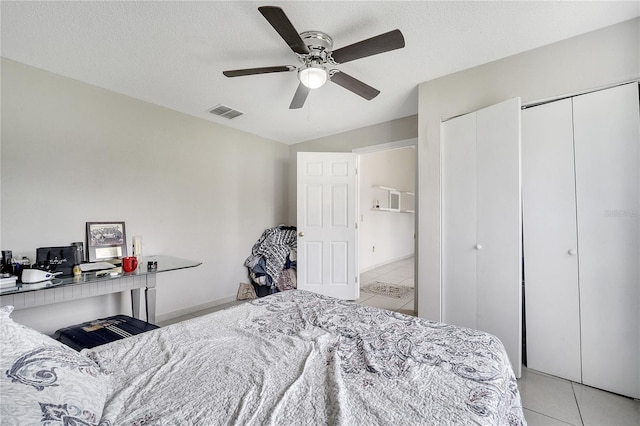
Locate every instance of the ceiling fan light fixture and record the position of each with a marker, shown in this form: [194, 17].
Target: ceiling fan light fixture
[314, 50]
[312, 76]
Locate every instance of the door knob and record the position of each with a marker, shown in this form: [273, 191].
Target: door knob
[573, 252]
[478, 247]
[301, 234]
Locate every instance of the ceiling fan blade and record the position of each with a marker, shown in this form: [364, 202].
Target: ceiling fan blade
[284, 27]
[263, 70]
[354, 85]
[372, 46]
[301, 95]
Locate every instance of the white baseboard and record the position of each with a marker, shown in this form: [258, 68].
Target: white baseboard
[192, 309]
[386, 263]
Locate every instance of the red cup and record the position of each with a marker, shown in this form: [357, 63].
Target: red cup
[129, 264]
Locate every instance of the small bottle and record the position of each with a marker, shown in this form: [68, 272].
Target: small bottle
[76, 270]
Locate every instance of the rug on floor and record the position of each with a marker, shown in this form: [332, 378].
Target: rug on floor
[385, 289]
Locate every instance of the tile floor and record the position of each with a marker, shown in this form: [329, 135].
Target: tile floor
[547, 400]
[199, 313]
[401, 273]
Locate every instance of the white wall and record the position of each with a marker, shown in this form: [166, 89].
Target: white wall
[592, 60]
[390, 233]
[73, 153]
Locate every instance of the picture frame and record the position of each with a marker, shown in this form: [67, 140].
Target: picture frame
[106, 241]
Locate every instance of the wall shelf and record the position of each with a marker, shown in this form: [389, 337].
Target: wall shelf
[393, 200]
[407, 202]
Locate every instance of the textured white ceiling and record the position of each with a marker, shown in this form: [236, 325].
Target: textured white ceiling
[173, 53]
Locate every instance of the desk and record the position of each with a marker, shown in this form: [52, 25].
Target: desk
[90, 285]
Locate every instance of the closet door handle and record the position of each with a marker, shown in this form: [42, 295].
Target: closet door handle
[573, 252]
[478, 247]
[301, 234]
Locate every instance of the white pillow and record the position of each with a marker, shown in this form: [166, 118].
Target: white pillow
[44, 381]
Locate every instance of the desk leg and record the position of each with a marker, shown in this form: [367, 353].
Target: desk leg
[135, 302]
[150, 298]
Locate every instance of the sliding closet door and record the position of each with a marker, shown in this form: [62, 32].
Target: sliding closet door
[607, 155]
[481, 241]
[550, 240]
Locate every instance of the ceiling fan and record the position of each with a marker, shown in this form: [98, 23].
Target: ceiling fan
[314, 52]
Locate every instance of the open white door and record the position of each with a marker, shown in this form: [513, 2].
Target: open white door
[327, 224]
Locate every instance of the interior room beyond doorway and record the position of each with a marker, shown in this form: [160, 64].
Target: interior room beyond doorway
[386, 229]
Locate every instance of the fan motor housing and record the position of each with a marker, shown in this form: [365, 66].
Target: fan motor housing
[317, 40]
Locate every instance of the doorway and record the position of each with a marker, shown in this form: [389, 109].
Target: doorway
[387, 226]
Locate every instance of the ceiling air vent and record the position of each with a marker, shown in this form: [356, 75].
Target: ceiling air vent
[225, 111]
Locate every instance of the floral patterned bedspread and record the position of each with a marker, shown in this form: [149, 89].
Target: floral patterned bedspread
[298, 358]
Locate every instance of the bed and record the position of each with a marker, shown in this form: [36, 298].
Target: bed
[292, 358]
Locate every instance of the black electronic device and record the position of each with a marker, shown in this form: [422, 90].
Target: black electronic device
[7, 267]
[56, 259]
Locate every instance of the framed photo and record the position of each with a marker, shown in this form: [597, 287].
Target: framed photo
[106, 241]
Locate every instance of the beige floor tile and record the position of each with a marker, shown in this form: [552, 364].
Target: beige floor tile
[408, 308]
[549, 396]
[218, 308]
[384, 269]
[392, 273]
[372, 288]
[600, 408]
[393, 277]
[199, 313]
[537, 419]
[368, 276]
[364, 296]
[409, 312]
[409, 282]
[175, 320]
[385, 302]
